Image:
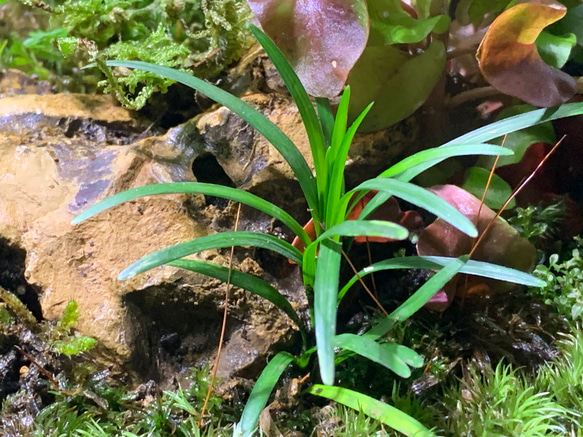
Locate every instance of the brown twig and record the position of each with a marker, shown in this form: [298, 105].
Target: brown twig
[224, 325]
[370, 293]
[513, 195]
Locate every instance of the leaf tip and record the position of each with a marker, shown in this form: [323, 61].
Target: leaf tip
[126, 274]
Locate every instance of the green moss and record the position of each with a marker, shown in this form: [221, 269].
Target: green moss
[201, 37]
[99, 409]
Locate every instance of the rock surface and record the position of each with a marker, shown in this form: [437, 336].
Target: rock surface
[60, 153]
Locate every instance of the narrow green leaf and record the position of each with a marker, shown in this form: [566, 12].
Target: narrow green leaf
[340, 122]
[499, 129]
[378, 410]
[394, 357]
[309, 265]
[368, 228]
[476, 268]
[215, 241]
[326, 117]
[336, 210]
[301, 99]
[267, 128]
[438, 154]
[325, 292]
[512, 124]
[418, 299]
[246, 281]
[260, 394]
[492, 271]
[198, 188]
[420, 197]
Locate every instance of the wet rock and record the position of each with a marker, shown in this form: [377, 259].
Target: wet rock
[61, 153]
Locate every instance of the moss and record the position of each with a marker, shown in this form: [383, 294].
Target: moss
[201, 37]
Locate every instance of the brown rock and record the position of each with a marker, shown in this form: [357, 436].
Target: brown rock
[61, 153]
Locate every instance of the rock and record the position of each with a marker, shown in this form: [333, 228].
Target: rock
[61, 153]
[15, 82]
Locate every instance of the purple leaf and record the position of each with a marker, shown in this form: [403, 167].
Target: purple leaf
[322, 39]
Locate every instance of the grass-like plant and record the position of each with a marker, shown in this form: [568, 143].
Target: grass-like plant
[330, 205]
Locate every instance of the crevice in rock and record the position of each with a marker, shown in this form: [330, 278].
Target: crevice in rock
[181, 332]
[12, 266]
[207, 169]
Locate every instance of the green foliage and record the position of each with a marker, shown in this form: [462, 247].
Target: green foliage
[563, 379]
[102, 410]
[502, 402]
[14, 310]
[331, 205]
[35, 54]
[564, 279]
[198, 36]
[498, 191]
[62, 338]
[380, 411]
[538, 224]
[512, 403]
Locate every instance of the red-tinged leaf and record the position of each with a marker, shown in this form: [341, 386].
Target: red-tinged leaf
[509, 59]
[389, 211]
[322, 39]
[502, 244]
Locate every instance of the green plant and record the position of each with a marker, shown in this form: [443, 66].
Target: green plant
[563, 377]
[35, 54]
[330, 204]
[564, 287]
[198, 36]
[99, 409]
[61, 337]
[502, 402]
[538, 224]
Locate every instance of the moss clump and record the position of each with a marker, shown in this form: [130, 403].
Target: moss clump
[201, 37]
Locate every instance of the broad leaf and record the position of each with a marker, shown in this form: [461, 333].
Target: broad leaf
[555, 50]
[501, 245]
[571, 23]
[509, 59]
[399, 83]
[322, 39]
[474, 11]
[476, 182]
